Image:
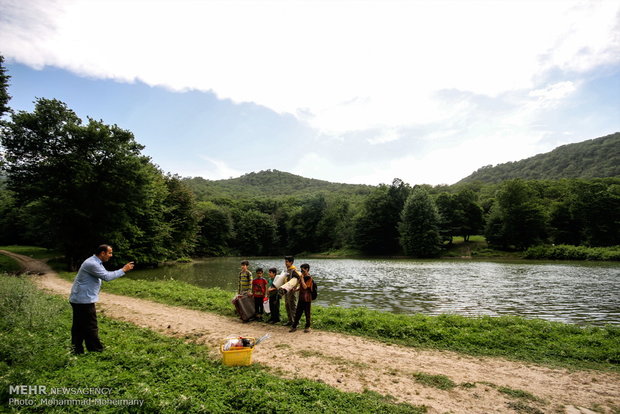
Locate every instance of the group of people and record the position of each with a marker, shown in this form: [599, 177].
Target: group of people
[87, 284]
[294, 286]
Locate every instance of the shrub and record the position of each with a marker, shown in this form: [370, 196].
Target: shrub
[568, 252]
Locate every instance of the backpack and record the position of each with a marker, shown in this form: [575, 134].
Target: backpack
[314, 289]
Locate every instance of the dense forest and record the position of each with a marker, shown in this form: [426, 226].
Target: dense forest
[272, 182]
[70, 185]
[594, 158]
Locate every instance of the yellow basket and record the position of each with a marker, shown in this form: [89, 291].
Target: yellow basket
[237, 356]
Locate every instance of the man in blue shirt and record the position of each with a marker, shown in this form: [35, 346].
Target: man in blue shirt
[84, 295]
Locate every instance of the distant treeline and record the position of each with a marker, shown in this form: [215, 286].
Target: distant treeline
[399, 219]
[70, 186]
[273, 183]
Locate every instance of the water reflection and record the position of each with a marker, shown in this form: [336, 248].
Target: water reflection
[574, 292]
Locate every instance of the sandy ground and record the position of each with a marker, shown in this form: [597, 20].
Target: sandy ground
[355, 364]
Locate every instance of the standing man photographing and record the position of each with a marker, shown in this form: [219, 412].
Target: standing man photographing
[84, 295]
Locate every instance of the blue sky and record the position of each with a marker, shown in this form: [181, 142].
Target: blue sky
[345, 91]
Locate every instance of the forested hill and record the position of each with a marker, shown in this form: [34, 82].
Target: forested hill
[598, 157]
[269, 183]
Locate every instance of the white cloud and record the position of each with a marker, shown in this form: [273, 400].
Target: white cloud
[447, 165]
[214, 170]
[343, 67]
[386, 136]
[349, 66]
[437, 135]
[553, 94]
[312, 164]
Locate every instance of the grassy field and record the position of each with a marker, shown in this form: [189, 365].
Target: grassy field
[32, 251]
[532, 340]
[164, 375]
[8, 265]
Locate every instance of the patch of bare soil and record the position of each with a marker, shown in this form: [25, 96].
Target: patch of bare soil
[356, 364]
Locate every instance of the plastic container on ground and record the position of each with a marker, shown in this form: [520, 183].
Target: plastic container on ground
[235, 357]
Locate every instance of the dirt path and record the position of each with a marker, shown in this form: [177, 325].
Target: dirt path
[355, 364]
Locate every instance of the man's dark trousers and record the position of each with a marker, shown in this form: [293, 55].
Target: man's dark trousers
[303, 307]
[274, 306]
[85, 328]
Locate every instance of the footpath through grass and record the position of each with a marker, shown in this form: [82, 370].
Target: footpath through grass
[531, 340]
[141, 371]
[32, 251]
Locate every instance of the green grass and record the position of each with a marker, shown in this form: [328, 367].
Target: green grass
[32, 251]
[345, 252]
[522, 407]
[8, 265]
[518, 394]
[475, 247]
[531, 340]
[436, 381]
[522, 400]
[167, 374]
[52, 257]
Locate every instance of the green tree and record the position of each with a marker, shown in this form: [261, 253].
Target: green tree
[216, 227]
[334, 229]
[517, 219]
[419, 225]
[182, 216]
[564, 228]
[11, 226]
[376, 227]
[86, 184]
[255, 233]
[461, 215]
[451, 217]
[595, 208]
[4, 109]
[282, 212]
[304, 223]
[4, 89]
[470, 212]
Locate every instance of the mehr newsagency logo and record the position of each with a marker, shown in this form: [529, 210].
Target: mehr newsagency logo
[31, 395]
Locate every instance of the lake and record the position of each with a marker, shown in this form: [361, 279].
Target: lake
[573, 292]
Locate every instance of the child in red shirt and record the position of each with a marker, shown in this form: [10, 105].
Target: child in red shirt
[259, 289]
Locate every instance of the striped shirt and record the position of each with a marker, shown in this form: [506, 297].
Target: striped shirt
[245, 281]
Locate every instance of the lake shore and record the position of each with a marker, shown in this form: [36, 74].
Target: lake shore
[532, 289]
[183, 326]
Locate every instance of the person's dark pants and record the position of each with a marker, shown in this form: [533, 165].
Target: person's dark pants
[302, 307]
[274, 306]
[85, 328]
[258, 305]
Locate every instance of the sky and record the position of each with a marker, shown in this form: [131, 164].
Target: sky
[346, 91]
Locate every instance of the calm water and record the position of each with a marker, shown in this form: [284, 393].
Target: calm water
[573, 293]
